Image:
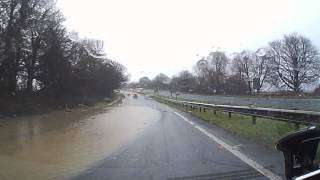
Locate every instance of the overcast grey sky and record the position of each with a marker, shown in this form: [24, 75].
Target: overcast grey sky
[149, 36]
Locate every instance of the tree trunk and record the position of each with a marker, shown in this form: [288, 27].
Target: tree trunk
[249, 86]
[9, 75]
[29, 82]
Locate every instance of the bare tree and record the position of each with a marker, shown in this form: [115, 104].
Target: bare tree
[36, 18]
[235, 85]
[94, 48]
[185, 81]
[295, 60]
[38, 56]
[201, 70]
[217, 69]
[236, 65]
[145, 82]
[211, 71]
[243, 65]
[161, 81]
[9, 61]
[261, 69]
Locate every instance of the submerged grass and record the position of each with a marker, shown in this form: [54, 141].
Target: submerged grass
[32, 105]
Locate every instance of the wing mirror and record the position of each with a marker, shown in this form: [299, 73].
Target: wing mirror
[299, 150]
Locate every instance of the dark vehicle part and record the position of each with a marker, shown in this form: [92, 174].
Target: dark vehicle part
[299, 150]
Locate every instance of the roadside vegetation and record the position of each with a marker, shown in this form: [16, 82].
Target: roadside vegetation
[43, 66]
[265, 131]
[285, 67]
[29, 105]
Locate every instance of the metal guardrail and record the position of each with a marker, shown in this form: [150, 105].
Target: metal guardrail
[294, 116]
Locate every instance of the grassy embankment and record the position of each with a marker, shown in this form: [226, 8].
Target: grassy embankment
[32, 105]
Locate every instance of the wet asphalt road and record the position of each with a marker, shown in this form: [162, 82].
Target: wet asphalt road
[170, 148]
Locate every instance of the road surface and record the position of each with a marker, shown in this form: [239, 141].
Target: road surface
[170, 148]
[282, 103]
[139, 139]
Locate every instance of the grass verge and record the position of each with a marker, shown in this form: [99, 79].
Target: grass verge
[265, 131]
[32, 105]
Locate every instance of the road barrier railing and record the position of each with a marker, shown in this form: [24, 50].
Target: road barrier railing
[293, 116]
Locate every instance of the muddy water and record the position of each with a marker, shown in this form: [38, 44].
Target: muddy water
[61, 145]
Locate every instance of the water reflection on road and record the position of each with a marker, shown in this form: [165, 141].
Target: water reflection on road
[61, 145]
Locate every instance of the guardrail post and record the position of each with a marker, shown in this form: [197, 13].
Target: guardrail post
[214, 112]
[200, 109]
[204, 109]
[254, 120]
[229, 114]
[297, 125]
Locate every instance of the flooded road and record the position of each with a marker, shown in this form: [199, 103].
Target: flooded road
[61, 145]
[139, 139]
[180, 146]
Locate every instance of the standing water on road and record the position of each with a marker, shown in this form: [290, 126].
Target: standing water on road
[60, 145]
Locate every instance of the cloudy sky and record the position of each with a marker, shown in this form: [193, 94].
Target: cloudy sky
[153, 36]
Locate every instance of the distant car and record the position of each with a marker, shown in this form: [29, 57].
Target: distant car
[135, 96]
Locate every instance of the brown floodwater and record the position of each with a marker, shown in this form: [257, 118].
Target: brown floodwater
[61, 145]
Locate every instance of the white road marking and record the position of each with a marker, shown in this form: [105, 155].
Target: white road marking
[267, 173]
[184, 118]
[237, 146]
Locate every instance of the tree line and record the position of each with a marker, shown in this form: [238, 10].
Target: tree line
[290, 64]
[38, 56]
